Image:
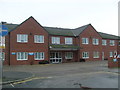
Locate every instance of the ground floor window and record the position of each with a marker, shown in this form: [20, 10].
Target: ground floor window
[111, 54]
[39, 56]
[22, 55]
[95, 54]
[2, 56]
[85, 55]
[69, 55]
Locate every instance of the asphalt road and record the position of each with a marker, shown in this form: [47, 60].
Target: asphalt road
[89, 74]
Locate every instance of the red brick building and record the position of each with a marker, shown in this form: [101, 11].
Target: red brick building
[31, 43]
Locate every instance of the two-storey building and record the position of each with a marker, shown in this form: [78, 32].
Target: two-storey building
[30, 43]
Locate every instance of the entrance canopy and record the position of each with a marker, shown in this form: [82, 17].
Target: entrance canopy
[64, 47]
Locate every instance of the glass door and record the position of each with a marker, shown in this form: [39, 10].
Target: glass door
[55, 57]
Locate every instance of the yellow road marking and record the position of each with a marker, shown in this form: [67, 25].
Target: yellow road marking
[34, 78]
[31, 79]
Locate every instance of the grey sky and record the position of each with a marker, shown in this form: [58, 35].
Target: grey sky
[102, 14]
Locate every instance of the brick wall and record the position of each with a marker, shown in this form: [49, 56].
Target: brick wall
[31, 28]
[90, 33]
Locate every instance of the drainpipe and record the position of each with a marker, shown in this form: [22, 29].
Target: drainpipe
[48, 48]
[9, 49]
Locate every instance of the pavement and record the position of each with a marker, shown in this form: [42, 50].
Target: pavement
[15, 76]
[42, 76]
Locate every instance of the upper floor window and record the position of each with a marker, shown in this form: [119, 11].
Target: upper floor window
[38, 38]
[68, 41]
[22, 38]
[95, 41]
[39, 56]
[85, 41]
[68, 55]
[85, 55]
[104, 42]
[95, 54]
[112, 42]
[55, 40]
[22, 55]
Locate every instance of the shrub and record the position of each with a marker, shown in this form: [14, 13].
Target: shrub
[44, 62]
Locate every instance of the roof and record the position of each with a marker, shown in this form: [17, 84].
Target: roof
[65, 31]
[59, 31]
[108, 36]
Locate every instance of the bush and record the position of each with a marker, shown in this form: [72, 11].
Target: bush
[44, 62]
[82, 60]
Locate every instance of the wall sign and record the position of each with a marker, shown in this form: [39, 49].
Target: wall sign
[13, 53]
[30, 53]
[114, 60]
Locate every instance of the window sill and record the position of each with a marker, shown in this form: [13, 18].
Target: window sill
[85, 57]
[22, 59]
[38, 42]
[85, 43]
[68, 58]
[39, 59]
[95, 57]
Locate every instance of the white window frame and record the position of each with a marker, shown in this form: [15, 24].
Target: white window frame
[22, 38]
[2, 40]
[69, 55]
[55, 40]
[38, 38]
[68, 40]
[111, 54]
[112, 42]
[104, 42]
[119, 43]
[40, 56]
[95, 54]
[95, 41]
[85, 55]
[85, 41]
[20, 57]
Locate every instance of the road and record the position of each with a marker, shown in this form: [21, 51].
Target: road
[66, 75]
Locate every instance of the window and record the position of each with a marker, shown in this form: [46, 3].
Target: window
[68, 55]
[22, 55]
[95, 54]
[2, 56]
[95, 41]
[39, 56]
[104, 42]
[55, 40]
[85, 55]
[38, 38]
[85, 41]
[2, 40]
[22, 38]
[112, 42]
[68, 41]
[111, 54]
[119, 43]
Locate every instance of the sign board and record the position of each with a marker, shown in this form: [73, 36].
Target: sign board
[30, 53]
[13, 53]
[114, 60]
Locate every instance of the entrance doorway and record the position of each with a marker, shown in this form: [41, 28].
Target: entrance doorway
[55, 57]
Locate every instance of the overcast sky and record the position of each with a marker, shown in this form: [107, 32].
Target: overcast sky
[102, 14]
